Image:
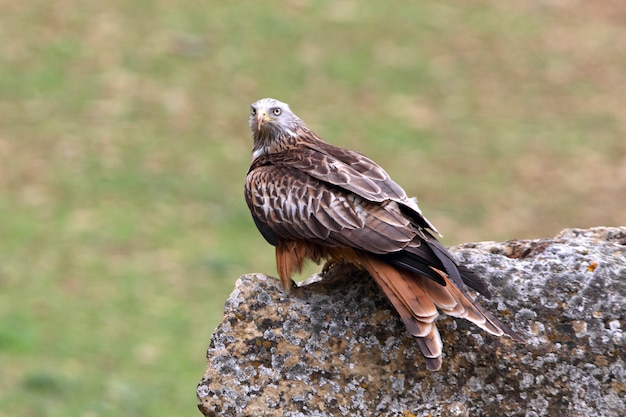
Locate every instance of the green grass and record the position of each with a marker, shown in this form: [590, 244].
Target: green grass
[124, 145]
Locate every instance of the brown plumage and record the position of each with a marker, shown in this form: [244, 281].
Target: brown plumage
[313, 200]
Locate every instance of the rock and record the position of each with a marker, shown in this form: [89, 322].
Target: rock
[335, 347]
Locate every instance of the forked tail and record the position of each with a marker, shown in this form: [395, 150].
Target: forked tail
[416, 298]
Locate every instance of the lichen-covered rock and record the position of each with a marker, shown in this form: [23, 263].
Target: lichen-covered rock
[335, 347]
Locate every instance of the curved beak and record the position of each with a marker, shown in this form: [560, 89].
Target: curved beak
[261, 119]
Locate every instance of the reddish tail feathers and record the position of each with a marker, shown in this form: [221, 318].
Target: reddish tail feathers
[417, 298]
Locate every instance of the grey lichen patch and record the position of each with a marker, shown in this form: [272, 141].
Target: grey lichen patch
[335, 346]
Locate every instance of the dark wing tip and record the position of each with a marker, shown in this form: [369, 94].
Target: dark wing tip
[459, 274]
[472, 280]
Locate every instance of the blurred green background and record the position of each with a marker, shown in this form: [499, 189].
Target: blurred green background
[124, 144]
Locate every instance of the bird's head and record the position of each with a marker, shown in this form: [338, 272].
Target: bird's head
[270, 118]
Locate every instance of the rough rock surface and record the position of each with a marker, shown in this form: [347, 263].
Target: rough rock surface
[336, 348]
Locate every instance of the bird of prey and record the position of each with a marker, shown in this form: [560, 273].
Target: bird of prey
[313, 200]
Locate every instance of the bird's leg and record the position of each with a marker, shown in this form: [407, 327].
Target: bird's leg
[340, 262]
[290, 257]
[330, 264]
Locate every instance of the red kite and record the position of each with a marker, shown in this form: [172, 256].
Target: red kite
[313, 200]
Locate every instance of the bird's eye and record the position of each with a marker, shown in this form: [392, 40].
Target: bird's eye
[276, 111]
[253, 111]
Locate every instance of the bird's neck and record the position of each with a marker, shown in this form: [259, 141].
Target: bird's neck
[267, 142]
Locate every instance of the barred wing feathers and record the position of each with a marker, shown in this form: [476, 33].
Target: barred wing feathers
[292, 205]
